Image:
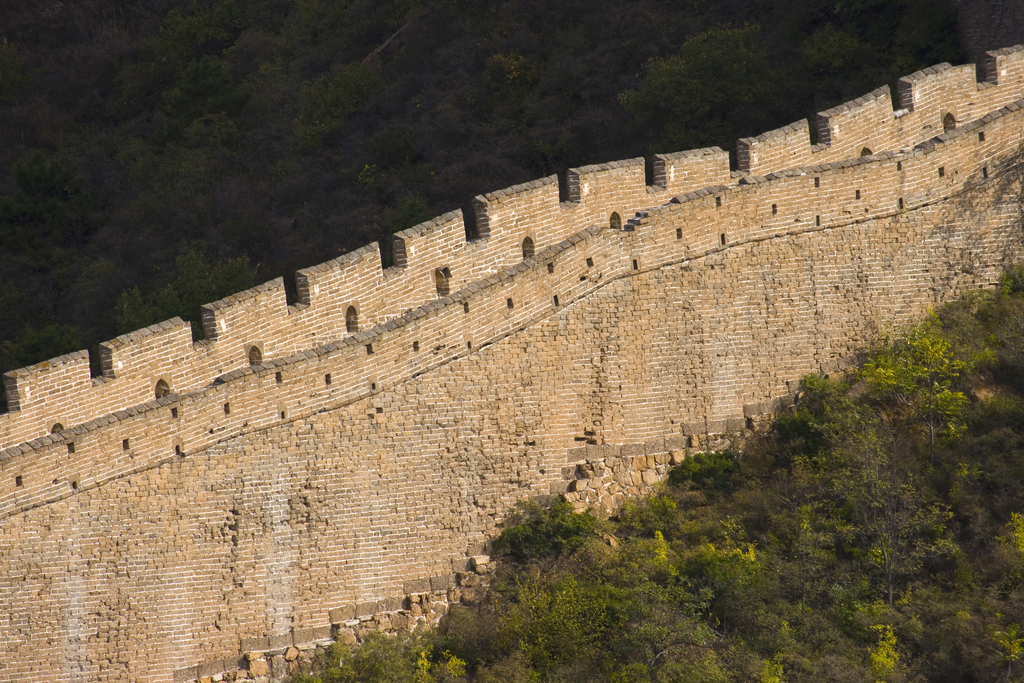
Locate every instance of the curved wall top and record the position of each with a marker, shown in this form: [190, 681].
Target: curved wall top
[434, 259]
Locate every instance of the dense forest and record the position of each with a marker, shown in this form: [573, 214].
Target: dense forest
[874, 533]
[158, 155]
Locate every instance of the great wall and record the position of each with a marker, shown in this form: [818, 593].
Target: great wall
[217, 509]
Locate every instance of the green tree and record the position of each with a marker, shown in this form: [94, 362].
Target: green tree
[203, 89]
[198, 282]
[534, 532]
[36, 345]
[49, 191]
[919, 372]
[811, 548]
[720, 83]
[49, 213]
[329, 101]
[898, 524]
[552, 622]
[884, 656]
[1011, 646]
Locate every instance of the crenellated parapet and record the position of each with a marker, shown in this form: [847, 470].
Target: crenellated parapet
[680, 172]
[353, 294]
[301, 376]
[931, 101]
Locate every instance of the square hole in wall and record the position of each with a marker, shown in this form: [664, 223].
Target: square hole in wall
[74, 484]
[18, 481]
[817, 221]
[373, 386]
[899, 203]
[857, 195]
[125, 445]
[284, 415]
[174, 413]
[469, 345]
[71, 447]
[508, 302]
[380, 411]
[327, 379]
[465, 307]
[636, 265]
[718, 201]
[775, 209]
[899, 165]
[590, 263]
[554, 299]
[227, 408]
[721, 238]
[278, 377]
[415, 346]
[817, 182]
[942, 171]
[177, 449]
[369, 349]
[551, 267]
[679, 233]
[984, 171]
[981, 137]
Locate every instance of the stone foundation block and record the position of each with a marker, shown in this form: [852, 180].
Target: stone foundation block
[281, 641]
[417, 586]
[187, 674]
[339, 615]
[442, 583]
[255, 644]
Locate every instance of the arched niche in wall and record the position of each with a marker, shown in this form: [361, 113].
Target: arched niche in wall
[254, 355]
[161, 388]
[948, 122]
[351, 320]
[527, 248]
[442, 276]
[615, 221]
[56, 427]
[866, 152]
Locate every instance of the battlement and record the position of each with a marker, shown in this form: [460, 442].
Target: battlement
[932, 100]
[677, 173]
[361, 364]
[347, 296]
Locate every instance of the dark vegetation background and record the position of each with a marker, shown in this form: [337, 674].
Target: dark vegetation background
[158, 155]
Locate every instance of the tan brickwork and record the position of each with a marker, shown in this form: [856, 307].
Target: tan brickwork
[869, 123]
[61, 392]
[344, 470]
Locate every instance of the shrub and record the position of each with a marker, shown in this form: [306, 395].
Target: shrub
[536, 532]
[711, 471]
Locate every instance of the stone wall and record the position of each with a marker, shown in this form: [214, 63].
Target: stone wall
[178, 535]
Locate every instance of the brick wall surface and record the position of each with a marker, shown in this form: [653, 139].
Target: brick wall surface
[346, 469]
[436, 257]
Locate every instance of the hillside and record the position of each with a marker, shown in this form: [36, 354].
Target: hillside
[873, 533]
[158, 156]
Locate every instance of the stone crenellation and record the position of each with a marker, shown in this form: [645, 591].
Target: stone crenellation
[436, 256]
[339, 452]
